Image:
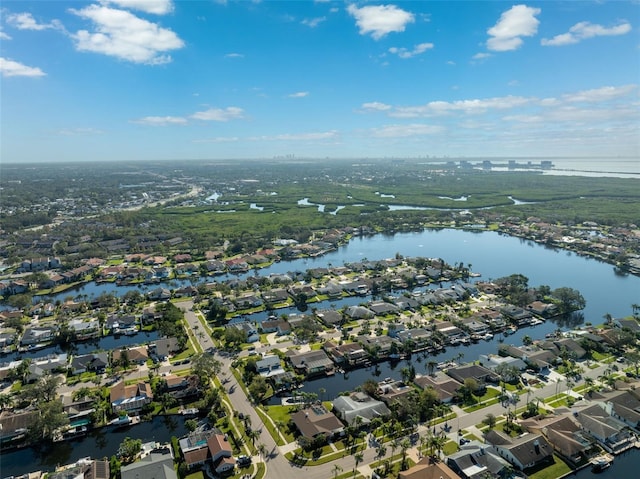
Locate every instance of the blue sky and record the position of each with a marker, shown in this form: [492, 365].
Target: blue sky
[161, 79]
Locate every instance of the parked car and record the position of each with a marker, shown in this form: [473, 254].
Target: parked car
[243, 461]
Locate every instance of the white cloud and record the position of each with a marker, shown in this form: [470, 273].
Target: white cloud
[376, 106]
[158, 7]
[474, 106]
[234, 55]
[123, 35]
[605, 93]
[404, 131]
[519, 21]
[25, 21]
[161, 120]
[313, 22]
[481, 56]
[4, 36]
[324, 135]
[417, 50]
[299, 94]
[380, 20]
[219, 114]
[10, 68]
[583, 30]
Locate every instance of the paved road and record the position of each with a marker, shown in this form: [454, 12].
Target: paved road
[278, 467]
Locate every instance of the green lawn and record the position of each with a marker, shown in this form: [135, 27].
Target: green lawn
[282, 414]
[553, 471]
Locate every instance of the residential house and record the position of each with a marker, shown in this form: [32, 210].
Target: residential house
[564, 435]
[426, 469]
[79, 411]
[134, 355]
[157, 465]
[250, 330]
[85, 468]
[622, 405]
[481, 374]
[611, 433]
[38, 335]
[159, 294]
[48, 365]
[182, 386]
[443, 385]
[475, 326]
[476, 460]
[565, 347]
[358, 312]
[359, 404]
[93, 362]
[165, 347]
[221, 453]
[315, 421]
[523, 452]
[382, 308]
[194, 448]
[627, 323]
[14, 425]
[116, 323]
[130, 398]
[540, 308]
[347, 354]
[379, 347]
[85, 329]
[247, 301]
[311, 362]
[332, 289]
[419, 338]
[7, 337]
[516, 315]
[269, 365]
[492, 361]
[278, 326]
[450, 332]
[276, 295]
[391, 391]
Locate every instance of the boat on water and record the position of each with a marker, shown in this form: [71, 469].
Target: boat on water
[600, 463]
[125, 421]
[192, 411]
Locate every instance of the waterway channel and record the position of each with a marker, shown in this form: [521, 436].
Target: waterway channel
[490, 254]
[98, 444]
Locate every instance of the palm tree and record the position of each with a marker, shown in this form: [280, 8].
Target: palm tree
[252, 434]
[381, 451]
[358, 458]
[431, 366]
[336, 470]
[262, 449]
[5, 401]
[404, 446]
[439, 442]
[81, 393]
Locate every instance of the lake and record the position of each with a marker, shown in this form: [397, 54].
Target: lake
[491, 254]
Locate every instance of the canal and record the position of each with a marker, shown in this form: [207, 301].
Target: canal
[98, 443]
[490, 254]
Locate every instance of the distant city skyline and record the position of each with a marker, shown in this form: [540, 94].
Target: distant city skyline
[161, 79]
